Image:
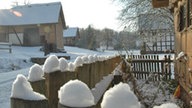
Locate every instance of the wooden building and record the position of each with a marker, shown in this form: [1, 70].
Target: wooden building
[70, 36]
[182, 11]
[33, 24]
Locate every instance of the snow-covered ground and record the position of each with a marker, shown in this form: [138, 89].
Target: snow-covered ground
[18, 62]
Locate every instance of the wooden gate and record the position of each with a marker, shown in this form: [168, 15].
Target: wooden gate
[150, 66]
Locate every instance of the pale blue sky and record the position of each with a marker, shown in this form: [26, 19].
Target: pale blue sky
[81, 13]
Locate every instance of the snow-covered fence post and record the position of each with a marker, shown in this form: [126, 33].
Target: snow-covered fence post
[120, 96]
[54, 79]
[23, 96]
[75, 94]
[36, 79]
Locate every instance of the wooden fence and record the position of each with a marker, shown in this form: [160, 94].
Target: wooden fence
[150, 66]
[90, 74]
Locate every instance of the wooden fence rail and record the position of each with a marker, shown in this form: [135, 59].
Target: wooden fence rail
[150, 66]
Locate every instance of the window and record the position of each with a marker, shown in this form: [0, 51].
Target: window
[183, 17]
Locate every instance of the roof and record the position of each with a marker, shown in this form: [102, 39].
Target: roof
[31, 14]
[70, 32]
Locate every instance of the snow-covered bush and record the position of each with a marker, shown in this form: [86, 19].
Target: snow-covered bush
[120, 96]
[167, 105]
[22, 89]
[78, 61]
[35, 73]
[51, 64]
[63, 64]
[75, 93]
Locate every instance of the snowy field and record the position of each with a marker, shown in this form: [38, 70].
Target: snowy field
[18, 62]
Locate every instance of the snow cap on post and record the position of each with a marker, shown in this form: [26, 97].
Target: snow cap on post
[120, 96]
[35, 73]
[85, 59]
[75, 93]
[22, 89]
[71, 66]
[167, 105]
[51, 64]
[91, 59]
[63, 65]
[78, 61]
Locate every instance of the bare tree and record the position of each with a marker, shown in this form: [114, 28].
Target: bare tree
[138, 14]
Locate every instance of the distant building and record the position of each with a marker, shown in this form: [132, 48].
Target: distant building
[70, 36]
[157, 34]
[31, 25]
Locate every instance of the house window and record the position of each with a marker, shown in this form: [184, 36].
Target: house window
[183, 16]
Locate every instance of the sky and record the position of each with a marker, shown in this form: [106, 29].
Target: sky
[81, 13]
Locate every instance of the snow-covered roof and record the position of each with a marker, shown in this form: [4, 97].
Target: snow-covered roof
[31, 14]
[70, 32]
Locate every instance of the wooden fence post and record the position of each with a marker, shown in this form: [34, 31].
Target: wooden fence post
[83, 73]
[39, 86]
[63, 106]
[97, 72]
[92, 75]
[20, 103]
[53, 83]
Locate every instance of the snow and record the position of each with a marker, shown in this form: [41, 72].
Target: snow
[35, 73]
[71, 66]
[31, 14]
[78, 61]
[91, 59]
[180, 55]
[70, 32]
[167, 105]
[20, 60]
[85, 59]
[63, 64]
[120, 96]
[101, 87]
[51, 64]
[75, 93]
[22, 89]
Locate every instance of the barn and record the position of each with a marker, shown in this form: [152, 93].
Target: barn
[33, 24]
[70, 36]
